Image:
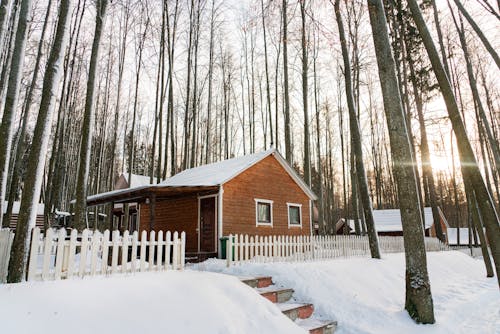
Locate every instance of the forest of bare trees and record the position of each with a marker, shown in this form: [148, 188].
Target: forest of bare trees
[377, 104]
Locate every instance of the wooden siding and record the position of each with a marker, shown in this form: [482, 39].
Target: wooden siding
[265, 180]
[177, 214]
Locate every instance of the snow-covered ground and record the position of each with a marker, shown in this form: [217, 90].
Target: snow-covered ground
[166, 302]
[367, 296]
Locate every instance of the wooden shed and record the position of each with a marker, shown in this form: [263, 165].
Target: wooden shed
[257, 194]
[388, 223]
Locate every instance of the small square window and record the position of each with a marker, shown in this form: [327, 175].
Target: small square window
[263, 212]
[294, 215]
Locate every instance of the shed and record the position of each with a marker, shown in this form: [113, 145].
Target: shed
[388, 222]
[256, 194]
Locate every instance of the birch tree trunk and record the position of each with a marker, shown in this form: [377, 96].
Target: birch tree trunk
[288, 139]
[7, 126]
[419, 302]
[80, 219]
[362, 181]
[37, 156]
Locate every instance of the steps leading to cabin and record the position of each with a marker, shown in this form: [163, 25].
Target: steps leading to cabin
[300, 313]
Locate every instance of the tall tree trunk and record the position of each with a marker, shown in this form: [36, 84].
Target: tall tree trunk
[470, 168]
[7, 126]
[37, 156]
[362, 181]
[418, 291]
[307, 154]
[80, 219]
[288, 139]
[4, 6]
[426, 159]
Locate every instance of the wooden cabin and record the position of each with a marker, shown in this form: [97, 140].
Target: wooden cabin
[388, 223]
[258, 194]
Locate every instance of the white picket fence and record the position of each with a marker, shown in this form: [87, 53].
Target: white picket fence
[244, 248]
[6, 238]
[56, 256]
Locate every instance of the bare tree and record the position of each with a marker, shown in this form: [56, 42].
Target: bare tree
[37, 156]
[12, 95]
[86, 139]
[418, 291]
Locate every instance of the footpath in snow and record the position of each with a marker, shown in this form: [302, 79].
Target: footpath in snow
[166, 302]
[367, 296]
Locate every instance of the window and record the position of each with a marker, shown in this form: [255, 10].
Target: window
[263, 212]
[294, 215]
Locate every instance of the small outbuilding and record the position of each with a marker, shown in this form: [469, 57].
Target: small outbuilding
[388, 223]
[257, 194]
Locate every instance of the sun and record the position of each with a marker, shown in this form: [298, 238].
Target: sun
[441, 163]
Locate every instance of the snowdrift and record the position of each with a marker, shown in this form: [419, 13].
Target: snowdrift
[367, 296]
[167, 302]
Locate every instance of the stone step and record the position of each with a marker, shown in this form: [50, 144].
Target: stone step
[257, 282]
[296, 310]
[316, 326]
[276, 294]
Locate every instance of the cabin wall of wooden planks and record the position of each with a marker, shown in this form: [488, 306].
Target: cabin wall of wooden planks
[177, 214]
[265, 180]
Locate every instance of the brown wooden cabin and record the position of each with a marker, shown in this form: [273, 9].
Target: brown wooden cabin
[258, 194]
[388, 223]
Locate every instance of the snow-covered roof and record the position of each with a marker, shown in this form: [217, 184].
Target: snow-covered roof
[40, 209]
[221, 172]
[464, 236]
[137, 180]
[389, 220]
[210, 175]
[216, 173]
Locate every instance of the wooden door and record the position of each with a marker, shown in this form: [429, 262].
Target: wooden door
[207, 224]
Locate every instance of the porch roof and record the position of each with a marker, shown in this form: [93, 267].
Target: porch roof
[140, 194]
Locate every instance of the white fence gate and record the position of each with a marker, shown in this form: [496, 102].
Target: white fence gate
[55, 255]
[244, 248]
[6, 238]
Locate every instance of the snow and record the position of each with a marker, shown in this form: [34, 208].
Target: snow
[367, 295]
[167, 302]
[40, 208]
[137, 180]
[464, 236]
[389, 220]
[216, 173]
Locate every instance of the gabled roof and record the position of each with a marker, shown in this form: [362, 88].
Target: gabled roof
[218, 173]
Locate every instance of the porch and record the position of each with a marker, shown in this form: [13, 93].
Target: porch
[193, 209]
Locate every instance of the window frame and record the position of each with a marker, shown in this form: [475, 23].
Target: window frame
[263, 201]
[298, 205]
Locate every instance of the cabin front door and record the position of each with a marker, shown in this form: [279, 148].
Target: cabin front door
[207, 224]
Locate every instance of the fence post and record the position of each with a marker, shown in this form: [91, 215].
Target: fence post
[143, 251]
[105, 252]
[60, 253]
[35, 239]
[151, 259]
[168, 244]
[159, 251]
[229, 249]
[175, 255]
[183, 249]
[124, 252]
